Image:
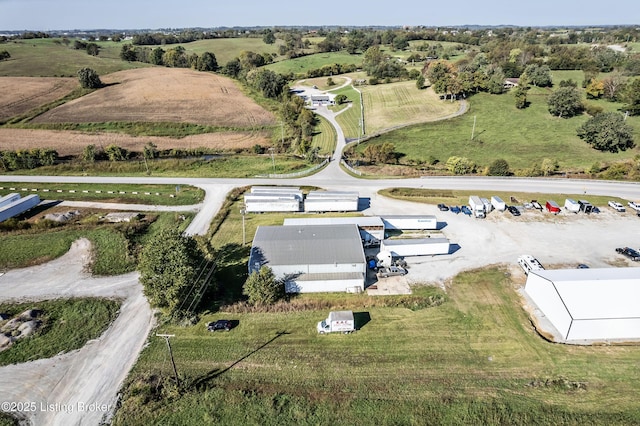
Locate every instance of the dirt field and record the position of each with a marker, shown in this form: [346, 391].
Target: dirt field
[163, 95]
[72, 143]
[21, 94]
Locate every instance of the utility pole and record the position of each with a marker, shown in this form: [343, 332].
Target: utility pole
[175, 370]
[243, 212]
[273, 161]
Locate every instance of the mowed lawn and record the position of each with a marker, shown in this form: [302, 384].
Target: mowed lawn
[522, 137]
[473, 360]
[315, 61]
[227, 49]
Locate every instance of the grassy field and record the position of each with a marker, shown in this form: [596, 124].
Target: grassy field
[522, 137]
[227, 49]
[67, 325]
[457, 198]
[324, 137]
[473, 360]
[146, 194]
[224, 166]
[350, 119]
[299, 66]
[114, 245]
[32, 58]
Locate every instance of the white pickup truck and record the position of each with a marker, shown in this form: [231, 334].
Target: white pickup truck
[635, 206]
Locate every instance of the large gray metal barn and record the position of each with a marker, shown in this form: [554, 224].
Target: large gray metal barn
[311, 258]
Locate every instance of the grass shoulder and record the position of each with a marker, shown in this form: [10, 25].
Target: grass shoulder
[66, 325]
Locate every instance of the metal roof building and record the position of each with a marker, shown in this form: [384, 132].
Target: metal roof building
[588, 304]
[370, 226]
[311, 258]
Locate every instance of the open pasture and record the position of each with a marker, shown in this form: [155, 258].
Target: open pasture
[21, 94]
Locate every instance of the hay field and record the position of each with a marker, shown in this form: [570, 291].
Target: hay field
[396, 104]
[163, 95]
[21, 94]
[72, 143]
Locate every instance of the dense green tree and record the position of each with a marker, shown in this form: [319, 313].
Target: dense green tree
[565, 102]
[93, 49]
[607, 132]
[89, 78]
[420, 82]
[89, 153]
[520, 95]
[537, 75]
[4, 54]
[271, 84]
[150, 151]
[233, 68]
[262, 287]
[632, 97]
[341, 99]
[269, 37]
[499, 167]
[380, 153]
[176, 57]
[128, 53]
[594, 89]
[460, 165]
[207, 62]
[115, 153]
[168, 267]
[157, 55]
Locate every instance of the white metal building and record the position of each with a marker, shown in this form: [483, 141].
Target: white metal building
[415, 246]
[410, 222]
[331, 201]
[273, 199]
[371, 227]
[311, 258]
[588, 304]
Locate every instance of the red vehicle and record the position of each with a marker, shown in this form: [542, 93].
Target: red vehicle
[552, 207]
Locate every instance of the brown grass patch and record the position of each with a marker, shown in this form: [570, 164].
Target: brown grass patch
[163, 95]
[72, 143]
[21, 94]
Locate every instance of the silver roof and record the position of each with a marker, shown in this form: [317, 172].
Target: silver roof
[307, 245]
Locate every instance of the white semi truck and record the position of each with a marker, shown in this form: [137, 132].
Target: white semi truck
[338, 322]
[477, 206]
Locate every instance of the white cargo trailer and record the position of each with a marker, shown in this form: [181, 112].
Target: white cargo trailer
[415, 246]
[406, 222]
[275, 189]
[333, 194]
[320, 205]
[487, 205]
[9, 198]
[477, 206]
[498, 204]
[572, 205]
[18, 206]
[337, 322]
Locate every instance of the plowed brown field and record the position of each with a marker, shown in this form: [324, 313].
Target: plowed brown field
[72, 143]
[21, 94]
[163, 95]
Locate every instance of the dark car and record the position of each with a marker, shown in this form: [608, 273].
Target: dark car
[629, 252]
[455, 209]
[443, 207]
[466, 210]
[220, 325]
[514, 210]
[582, 266]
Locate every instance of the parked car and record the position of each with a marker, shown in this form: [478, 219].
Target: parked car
[466, 210]
[220, 325]
[629, 252]
[455, 209]
[616, 206]
[635, 206]
[582, 266]
[514, 210]
[391, 271]
[536, 205]
[443, 207]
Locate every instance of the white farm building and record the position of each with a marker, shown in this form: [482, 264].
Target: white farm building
[311, 258]
[587, 304]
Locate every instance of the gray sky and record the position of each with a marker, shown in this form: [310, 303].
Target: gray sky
[137, 14]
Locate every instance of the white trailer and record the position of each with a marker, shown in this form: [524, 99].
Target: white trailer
[477, 206]
[9, 198]
[529, 263]
[415, 246]
[405, 222]
[572, 205]
[319, 205]
[498, 204]
[18, 206]
[337, 321]
[333, 194]
[275, 189]
[487, 205]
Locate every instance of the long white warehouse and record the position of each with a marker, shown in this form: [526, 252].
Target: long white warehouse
[408, 222]
[416, 246]
[371, 227]
[331, 201]
[588, 304]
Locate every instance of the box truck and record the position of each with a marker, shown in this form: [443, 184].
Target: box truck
[338, 322]
[552, 207]
[477, 206]
[571, 205]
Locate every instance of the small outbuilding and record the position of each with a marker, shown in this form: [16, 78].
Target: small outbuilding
[587, 304]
